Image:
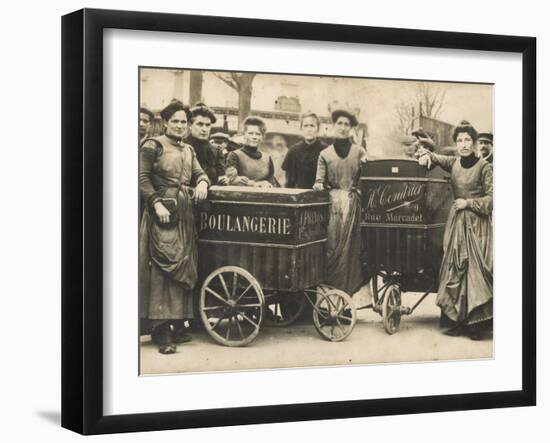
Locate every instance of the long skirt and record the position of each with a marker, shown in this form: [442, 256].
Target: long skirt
[465, 292]
[344, 241]
[168, 264]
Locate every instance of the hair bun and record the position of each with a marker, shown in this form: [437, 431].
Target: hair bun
[465, 126]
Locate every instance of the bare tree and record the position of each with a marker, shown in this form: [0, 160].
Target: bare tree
[405, 117]
[428, 101]
[431, 99]
[242, 83]
[195, 87]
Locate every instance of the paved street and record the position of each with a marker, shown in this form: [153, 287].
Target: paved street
[419, 339]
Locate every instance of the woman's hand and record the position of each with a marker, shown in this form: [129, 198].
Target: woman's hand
[231, 173]
[425, 160]
[318, 187]
[162, 213]
[223, 180]
[201, 191]
[460, 204]
[421, 151]
[264, 184]
[424, 157]
[240, 181]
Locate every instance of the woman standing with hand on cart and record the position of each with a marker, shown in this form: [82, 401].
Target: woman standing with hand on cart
[167, 239]
[338, 170]
[248, 166]
[465, 293]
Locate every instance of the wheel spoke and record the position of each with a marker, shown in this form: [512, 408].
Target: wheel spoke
[322, 313]
[343, 308]
[218, 322]
[250, 305]
[212, 308]
[224, 285]
[234, 287]
[215, 294]
[330, 302]
[341, 327]
[248, 320]
[228, 332]
[242, 293]
[239, 327]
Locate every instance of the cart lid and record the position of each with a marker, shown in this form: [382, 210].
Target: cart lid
[267, 195]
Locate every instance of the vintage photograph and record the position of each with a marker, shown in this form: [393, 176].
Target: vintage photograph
[293, 221]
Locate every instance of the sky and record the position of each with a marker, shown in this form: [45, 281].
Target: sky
[376, 99]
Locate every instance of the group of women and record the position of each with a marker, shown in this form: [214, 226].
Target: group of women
[172, 180]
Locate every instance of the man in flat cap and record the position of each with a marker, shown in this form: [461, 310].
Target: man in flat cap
[485, 146]
[424, 138]
[209, 157]
[146, 118]
[409, 144]
[220, 140]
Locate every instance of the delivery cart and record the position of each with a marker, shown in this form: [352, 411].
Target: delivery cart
[262, 258]
[404, 212]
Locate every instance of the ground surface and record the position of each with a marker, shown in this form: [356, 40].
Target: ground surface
[299, 345]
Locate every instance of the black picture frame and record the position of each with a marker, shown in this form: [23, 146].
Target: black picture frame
[82, 218]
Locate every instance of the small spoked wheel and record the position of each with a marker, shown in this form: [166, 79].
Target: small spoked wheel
[391, 309]
[283, 308]
[334, 314]
[232, 306]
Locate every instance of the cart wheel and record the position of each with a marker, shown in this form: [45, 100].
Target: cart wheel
[231, 306]
[334, 314]
[283, 308]
[391, 309]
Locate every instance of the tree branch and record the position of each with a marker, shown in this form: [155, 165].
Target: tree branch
[229, 81]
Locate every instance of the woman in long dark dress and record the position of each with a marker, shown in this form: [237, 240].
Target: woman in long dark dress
[465, 293]
[168, 247]
[338, 170]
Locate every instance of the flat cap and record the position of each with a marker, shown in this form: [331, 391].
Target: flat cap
[220, 135]
[485, 136]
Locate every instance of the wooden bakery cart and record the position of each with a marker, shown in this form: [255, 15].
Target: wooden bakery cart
[262, 257]
[404, 212]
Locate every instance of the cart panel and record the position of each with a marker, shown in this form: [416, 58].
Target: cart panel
[268, 216]
[404, 212]
[278, 235]
[285, 269]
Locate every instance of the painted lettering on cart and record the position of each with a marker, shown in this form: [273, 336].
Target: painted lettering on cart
[312, 224]
[394, 203]
[388, 196]
[244, 223]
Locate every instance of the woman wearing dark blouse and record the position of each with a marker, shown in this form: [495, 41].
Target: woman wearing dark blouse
[300, 163]
[465, 293]
[248, 166]
[167, 240]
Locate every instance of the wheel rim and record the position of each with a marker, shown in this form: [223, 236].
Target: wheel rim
[334, 314]
[283, 308]
[231, 306]
[391, 310]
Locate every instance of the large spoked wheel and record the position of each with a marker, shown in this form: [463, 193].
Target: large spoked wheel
[334, 314]
[232, 306]
[283, 308]
[391, 309]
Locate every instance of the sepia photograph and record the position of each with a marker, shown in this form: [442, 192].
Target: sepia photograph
[296, 221]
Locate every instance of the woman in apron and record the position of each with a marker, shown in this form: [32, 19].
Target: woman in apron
[168, 239]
